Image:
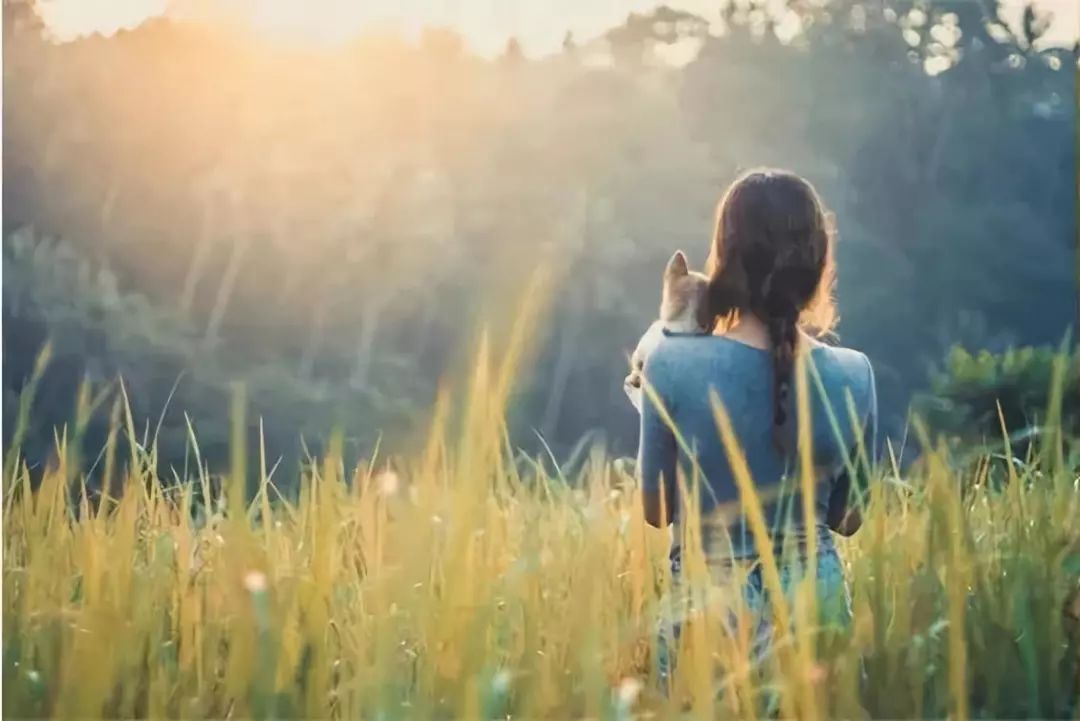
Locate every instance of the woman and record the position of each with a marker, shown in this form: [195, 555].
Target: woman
[770, 294]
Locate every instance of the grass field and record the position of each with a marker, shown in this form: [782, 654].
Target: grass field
[466, 582]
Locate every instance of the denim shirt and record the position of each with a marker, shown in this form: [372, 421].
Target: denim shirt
[684, 371]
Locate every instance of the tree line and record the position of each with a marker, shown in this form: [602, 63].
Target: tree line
[187, 207]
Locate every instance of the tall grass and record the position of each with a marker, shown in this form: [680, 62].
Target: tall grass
[467, 581]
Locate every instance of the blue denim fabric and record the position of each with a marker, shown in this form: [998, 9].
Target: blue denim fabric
[834, 608]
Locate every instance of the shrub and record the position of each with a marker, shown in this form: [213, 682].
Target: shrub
[977, 394]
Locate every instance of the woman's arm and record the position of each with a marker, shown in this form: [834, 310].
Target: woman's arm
[657, 455]
[845, 513]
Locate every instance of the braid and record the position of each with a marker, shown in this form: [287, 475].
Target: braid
[783, 335]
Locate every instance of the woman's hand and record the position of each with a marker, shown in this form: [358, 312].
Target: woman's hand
[632, 388]
[848, 523]
[841, 517]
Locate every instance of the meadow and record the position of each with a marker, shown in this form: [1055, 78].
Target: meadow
[467, 580]
[373, 529]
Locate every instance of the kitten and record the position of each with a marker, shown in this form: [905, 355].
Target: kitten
[682, 310]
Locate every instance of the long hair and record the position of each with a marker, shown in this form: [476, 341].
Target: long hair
[772, 257]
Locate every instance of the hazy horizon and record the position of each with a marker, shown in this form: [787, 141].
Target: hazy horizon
[486, 26]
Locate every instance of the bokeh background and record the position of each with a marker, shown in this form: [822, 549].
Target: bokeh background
[327, 205]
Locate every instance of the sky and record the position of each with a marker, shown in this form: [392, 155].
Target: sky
[539, 25]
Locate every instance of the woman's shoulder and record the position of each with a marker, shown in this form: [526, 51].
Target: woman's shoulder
[848, 357]
[686, 356]
[673, 350]
[846, 366]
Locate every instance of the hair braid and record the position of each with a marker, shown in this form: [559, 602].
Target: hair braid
[783, 334]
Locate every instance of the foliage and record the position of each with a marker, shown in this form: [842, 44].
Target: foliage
[457, 583]
[977, 395]
[340, 233]
[123, 348]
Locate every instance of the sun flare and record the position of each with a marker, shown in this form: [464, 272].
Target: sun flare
[487, 26]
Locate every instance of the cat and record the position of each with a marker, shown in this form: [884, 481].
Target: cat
[683, 309]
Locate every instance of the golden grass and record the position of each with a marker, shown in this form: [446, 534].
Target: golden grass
[466, 582]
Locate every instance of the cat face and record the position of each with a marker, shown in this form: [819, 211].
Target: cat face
[684, 298]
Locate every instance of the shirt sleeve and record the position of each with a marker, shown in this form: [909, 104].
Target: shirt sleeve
[863, 456]
[870, 433]
[657, 449]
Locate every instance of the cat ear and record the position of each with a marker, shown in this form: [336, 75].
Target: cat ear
[677, 266]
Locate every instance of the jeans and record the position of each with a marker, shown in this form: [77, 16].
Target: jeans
[833, 600]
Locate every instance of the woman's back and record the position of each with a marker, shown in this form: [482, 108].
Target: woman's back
[685, 372]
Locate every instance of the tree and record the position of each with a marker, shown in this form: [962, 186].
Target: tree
[330, 235]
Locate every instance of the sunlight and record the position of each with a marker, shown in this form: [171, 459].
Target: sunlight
[335, 20]
[539, 27]
[289, 21]
[69, 19]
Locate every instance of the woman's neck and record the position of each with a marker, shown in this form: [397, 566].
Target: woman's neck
[749, 329]
[752, 331]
